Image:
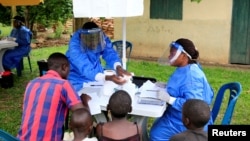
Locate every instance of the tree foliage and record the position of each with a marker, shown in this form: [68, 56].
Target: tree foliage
[48, 13]
[5, 13]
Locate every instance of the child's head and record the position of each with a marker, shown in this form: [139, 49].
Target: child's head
[81, 121]
[59, 63]
[120, 104]
[195, 113]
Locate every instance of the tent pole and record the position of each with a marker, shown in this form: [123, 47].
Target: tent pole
[124, 58]
[13, 14]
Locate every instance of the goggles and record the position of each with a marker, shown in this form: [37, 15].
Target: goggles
[92, 39]
[179, 49]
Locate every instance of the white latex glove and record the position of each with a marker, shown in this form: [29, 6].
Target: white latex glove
[163, 95]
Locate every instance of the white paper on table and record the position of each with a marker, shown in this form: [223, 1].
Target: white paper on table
[109, 88]
[149, 89]
[130, 88]
[94, 103]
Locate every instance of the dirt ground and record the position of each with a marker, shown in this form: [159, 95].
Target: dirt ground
[42, 40]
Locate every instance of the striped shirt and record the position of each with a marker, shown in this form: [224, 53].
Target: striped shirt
[47, 100]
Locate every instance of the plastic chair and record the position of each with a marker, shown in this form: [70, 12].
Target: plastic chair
[20, 67]
[235, 89]
[5, 136]
[118, 47]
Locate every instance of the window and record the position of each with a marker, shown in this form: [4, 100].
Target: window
[166, 9]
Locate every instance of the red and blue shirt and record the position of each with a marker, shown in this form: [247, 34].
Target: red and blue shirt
[47, 100]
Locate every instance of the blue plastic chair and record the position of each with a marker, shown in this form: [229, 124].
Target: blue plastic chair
[20, 66]
[235, 89]
[117, 45]
[5, 136]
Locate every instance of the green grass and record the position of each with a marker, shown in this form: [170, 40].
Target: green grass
[5, 30]
[11, 99]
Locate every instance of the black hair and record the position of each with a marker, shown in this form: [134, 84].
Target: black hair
[20, 19]
[81, 120]
[120, 104]
[90, 25]
[56, 60]
[197, 111]
[189, 47]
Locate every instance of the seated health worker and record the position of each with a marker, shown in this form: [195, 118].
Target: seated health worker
[188, 81]
[22, 34]
[86, 47]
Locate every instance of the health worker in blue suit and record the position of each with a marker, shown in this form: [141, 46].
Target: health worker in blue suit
[22, 36]
[188, 81]
[86, 47]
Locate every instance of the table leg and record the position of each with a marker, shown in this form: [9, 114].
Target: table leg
[143, 122]
[2, 51]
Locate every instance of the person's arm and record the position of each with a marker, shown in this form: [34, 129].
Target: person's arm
[121, 72]
[189, 91]
[85, 98]
[116, 79]
[110, 55]
[23, 38]
[71, 98]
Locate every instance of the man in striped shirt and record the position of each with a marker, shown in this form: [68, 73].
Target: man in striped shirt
[47, 100]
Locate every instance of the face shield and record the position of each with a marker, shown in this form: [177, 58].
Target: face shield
[169, 58]
[92, 40]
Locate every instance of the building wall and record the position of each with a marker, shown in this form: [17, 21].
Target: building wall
[207, 24]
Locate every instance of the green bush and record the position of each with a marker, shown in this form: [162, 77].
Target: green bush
[59, 30]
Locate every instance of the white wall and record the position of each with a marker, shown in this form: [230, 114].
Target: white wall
[207, 24]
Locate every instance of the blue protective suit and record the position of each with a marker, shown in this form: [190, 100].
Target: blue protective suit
[86, 64]
[12, 57]
[186, 82]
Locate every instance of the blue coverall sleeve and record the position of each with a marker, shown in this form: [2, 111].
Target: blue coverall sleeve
[109, 54]
[195, 90]
[23, 37]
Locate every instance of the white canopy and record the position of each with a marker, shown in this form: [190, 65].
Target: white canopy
[107, 8]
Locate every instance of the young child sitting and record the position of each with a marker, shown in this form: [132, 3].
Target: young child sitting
[195, 115]
[81, 124]
[119, 128]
